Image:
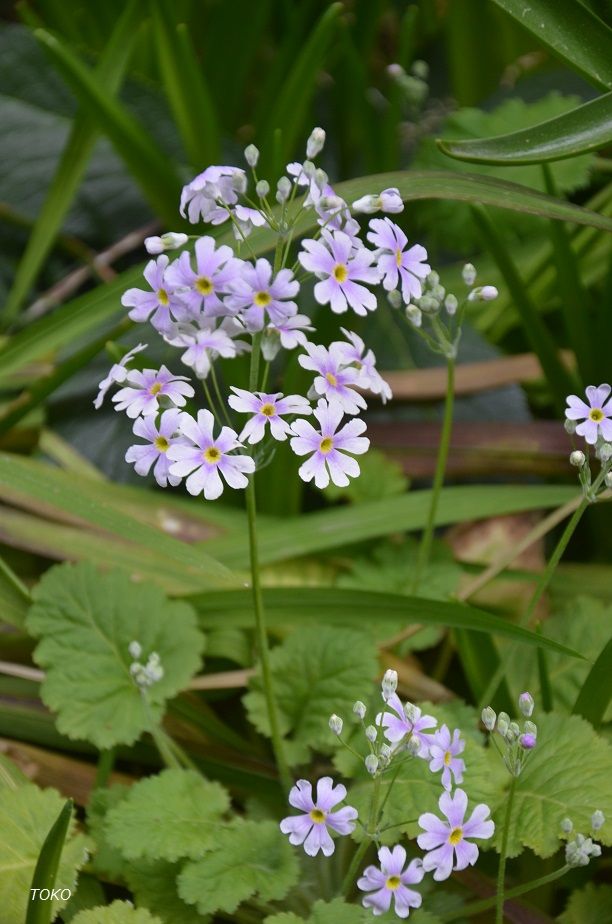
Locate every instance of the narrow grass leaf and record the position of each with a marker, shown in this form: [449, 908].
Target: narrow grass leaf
[45, 872]
[596, 692]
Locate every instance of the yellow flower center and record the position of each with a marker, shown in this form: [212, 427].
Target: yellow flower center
[161, 443]
[596, 414]
[331, 378]
[262, 299]
[340, 272]
[162, 297]
[398, 257]
[212, 454]
[326, 445]
[455, 836]
[447, 758]
[317, 816]
[268, 410]
[204, 285]
[155, 388]
[393, 883]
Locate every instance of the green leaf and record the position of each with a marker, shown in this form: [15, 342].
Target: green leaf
[117, 913]
[106, 859]
[334, 912]
[584, 129]
[250, 858]
[315, 672]
[148, 164]
[380, 477]
[166, 817]
[571, 31]
[596, 692]
[89, 894]
[567, 775]
[590, 905]
[47, 866]
[371, 612]
[26, 816]
[86, 622]
[14, 598]
[154, 886]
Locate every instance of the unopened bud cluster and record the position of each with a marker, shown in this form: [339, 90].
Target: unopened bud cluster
[519, 742]
[581, 849]
[144, 675]
[413, 85]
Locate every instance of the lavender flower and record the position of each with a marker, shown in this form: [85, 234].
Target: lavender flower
[206, 342]
[203, 458]
[258, 296]
[391, 882]
[161, 306]
[310, 828]
[446, 841]
[266, 409]
[354, 354]
[407, 721]
[144, 390]
[200, 289]
[117, 374]
[288, 334]
[443, 752]
[395, 262]
[210, 192]
[335, 377]
[329, 446]
[596, 415]
[340, 268]
[155, 452]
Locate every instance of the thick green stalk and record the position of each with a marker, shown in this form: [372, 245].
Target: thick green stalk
[447, 426]
[501, 872]
[485, 903]
[106, 762]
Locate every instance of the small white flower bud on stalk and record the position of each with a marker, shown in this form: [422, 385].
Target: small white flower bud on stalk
[503, 721]
[135, 650]
[389, 684]
[262, 188]
[451, 304]
[411, 712]
[413, 745]
[371, 733]
[567, 825]
[605, 452]
[577, 458]
[309, 169]
[359, 709]
[526, 704]
[608, 479]
[371, 763]
[420, 69]
[598, 820]
[251, 155]
[395, 71]
[483, 294]
[414, 315]
[315, 143]
[488, 718]
[531, 729]
[570, 426]
[469, 274]
[172, 240]
[513, 732]
[321, 178]
[283, 189]
[385, 753]
[367, 205]
[394, 297]
[335, 724]
[331, 203]
[239, 182]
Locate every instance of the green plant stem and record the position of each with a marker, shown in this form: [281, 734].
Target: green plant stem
[165, 751]
[217, 391]
[106, 762]
[501, 871]
[485, 903]
[15, 581]
[348, 881]
[445, 436]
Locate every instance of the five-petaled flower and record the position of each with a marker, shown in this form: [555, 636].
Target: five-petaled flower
[407, 721]
[207, 341]
[143, 391]
[596, 415]
[162, 306]
[329, 446]
[210, 194]
[446, 841]
[443, 751]
[259, 296]
[203, 457]
[266, 409]
[391, 881]
[310, 828]
[341, 267]
[336, 379]
[202, 288]
[154, 452]
[395, 262]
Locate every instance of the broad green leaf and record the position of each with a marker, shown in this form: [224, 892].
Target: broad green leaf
[315, 672]
[106, 860]
[596, 691]
[89, 894]
[584, 129]
[371, 612]
[85, 622]
[570, 31]
[329, 529]
[73, 162]
[26, 816]
[590, 905]
[25, 482]
[154, 887]
[567, 775]
[379, 477]
[116, 913]
[148, 164]
[47, 867]
[250, 858]
[166, 817]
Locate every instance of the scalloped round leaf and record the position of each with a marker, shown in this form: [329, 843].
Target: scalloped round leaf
[106, 859]
[250, 858]
[166, 817]
[85, 621]
[567, 775]
[590, 905]
[26, 817]
[154, 887]
[117, 913]
[316, 671]
[339, 912]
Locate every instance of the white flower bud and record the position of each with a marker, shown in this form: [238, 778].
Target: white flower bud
[386, 752]
[367, 205]
[570, 426]
[262, 188]
[413, 745]
[513, 732]
[577, 458]
[483, 294]
[503, 721]
[420, 69]
[309, 169]
[428, 304]
[239, 181]
[469, 274]
[331, 203]
[451, 304]
[433, 279]
[598, 820]
[394, 298]
[371, 763]
[608, 479]
[414, 315]
[172, 240]
[283, 189]
[320, 178]
[605, 452]
[567, 825]
[359, 709]
[389, 684]
[526, 704]
[135, 650]
[531, 729]
[371, 733]
[335, 724]
[395, 71]
[251, 155]
[315, 143]
[488, 717]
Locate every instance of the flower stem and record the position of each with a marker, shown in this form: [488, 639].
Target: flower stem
[501, 872]
[106, 762]
[348, 881]
[485, 903]
[447, 425]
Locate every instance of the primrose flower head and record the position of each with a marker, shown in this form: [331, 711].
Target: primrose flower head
[266, 410]
[402, 723]
[144, 391]
[311, 827]
[341, 268]
[446, 840]
[444, 753]
[329, 446]
[594, 416]
[389, 883]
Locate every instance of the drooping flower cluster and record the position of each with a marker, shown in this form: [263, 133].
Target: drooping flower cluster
[144, 675]
[580, 849]
[592, 420]
[217, 302]
[399, 732]
[518, 743]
